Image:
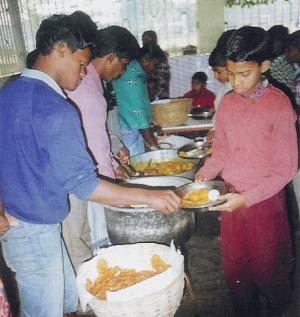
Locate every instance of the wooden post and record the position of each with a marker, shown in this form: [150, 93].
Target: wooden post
[210, 23]
[18, 36]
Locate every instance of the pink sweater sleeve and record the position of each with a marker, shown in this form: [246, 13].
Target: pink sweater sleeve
[284, 159]
[214, 165]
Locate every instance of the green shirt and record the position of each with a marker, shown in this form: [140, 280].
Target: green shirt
[132, 98]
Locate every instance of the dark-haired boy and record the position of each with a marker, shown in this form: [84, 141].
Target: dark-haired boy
[43, 158]
[116, 46]
[202, 97]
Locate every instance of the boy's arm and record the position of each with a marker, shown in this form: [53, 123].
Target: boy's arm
[284, 163]
[4, 226]
[214, 165]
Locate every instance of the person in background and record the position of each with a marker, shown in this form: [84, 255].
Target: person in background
[115, 47]
[293, 56]
[118, 148]
[281, 70]
[158, 80]
[43, 158]
[202, 97]
[255, 150]
[135, 114]
[217, 61]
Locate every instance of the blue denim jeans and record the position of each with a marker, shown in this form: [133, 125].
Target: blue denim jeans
[134, 141]
[45, 277]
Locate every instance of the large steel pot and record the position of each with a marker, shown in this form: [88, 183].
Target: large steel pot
[132, 225]
[165, 155]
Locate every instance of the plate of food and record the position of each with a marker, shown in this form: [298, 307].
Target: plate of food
[198, 149]
[200, 196]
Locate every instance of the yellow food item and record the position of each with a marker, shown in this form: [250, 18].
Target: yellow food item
[196, 197]
[183, 154]
[170, 167]
[209, 151]
[116, 278]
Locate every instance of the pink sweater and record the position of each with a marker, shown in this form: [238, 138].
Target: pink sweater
[88, 96]
[255, 146]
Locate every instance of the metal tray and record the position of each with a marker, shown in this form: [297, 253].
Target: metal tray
[221, 186]
[195, 150]
[204, 115]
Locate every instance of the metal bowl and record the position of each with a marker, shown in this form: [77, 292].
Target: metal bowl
[221, 186]
[165, 155]
[195, 150]
[143, 224]
[159, 182]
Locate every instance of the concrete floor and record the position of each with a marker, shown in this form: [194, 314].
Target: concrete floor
[211, 298]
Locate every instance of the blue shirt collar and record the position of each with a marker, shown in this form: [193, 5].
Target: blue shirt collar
[36, 74]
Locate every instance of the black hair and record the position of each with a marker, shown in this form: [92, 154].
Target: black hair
[77, 30]
[200, 76]
[278, 35]
[151, 35]
[294, 39]
[249, 43]
[118, 40]
[224, 38]
[31, 58]
[152, 51]
[217, 58]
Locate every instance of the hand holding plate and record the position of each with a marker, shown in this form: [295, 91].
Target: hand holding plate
[233, 202]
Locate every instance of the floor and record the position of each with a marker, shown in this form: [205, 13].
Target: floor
[211, 298]
[210, 293]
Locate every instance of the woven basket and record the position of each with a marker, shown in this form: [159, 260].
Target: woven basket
[160, 303]
[171, 112]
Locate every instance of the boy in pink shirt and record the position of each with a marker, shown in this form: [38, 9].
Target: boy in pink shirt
[254, 149]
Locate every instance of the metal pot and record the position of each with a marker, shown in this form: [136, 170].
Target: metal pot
[132, 225]
[165, 155]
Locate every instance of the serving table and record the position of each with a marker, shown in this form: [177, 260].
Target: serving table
[191, 125]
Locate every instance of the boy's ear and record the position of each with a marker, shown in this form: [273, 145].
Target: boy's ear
[265, 65]
[61, 48]
[112, 58]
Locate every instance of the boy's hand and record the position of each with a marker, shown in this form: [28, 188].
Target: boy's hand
[233, 202]
[120, 173]
[123, 155]
[4, 225]
[165, 201]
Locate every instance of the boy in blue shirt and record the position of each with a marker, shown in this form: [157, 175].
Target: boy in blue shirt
[43, 158]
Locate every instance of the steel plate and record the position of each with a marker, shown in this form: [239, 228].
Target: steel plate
[221, 186]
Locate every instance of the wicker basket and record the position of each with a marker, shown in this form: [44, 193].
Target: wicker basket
[171, 112]
[163, 302]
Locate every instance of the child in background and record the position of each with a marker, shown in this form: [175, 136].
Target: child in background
[255, 149]
[202, 97]
[293, 56]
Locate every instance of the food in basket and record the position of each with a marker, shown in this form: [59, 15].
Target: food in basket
[169, 167]
[116, 278]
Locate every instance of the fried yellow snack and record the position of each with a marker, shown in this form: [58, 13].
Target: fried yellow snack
[116, 278]
[196, 197]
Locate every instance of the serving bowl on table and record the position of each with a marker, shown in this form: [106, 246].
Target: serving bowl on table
[220, 186]
[146, 162]
[195, 150]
